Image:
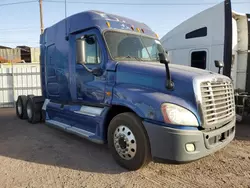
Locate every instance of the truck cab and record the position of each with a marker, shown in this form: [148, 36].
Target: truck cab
[105, 78]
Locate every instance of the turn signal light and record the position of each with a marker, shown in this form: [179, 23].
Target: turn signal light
[108, 24]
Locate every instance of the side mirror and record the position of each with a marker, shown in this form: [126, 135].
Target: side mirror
[219, 64]
[163, 58]
[169, 82]
[80, 51]
[90, 39]
[80, 54]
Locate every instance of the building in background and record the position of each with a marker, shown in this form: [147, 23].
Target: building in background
[20, 54]
[8, 55]
[4, 47]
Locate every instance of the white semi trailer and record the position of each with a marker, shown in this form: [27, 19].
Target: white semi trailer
[216, 34]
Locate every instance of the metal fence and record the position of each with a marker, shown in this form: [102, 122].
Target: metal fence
[18, 79]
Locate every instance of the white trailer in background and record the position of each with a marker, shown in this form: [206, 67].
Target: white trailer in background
[216, 34]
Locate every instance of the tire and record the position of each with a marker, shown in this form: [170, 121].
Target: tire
[34, 109]
[43, 117]
[21, 107]
[137, 152]
[28, 96]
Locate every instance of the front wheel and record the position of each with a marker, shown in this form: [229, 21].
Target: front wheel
[128, 141]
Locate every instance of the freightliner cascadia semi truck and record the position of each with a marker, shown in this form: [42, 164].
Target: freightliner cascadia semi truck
[106, 78]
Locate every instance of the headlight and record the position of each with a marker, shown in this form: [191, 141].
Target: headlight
[178, 115]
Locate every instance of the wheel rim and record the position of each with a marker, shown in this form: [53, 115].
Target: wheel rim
[19, 107]
[125, 142]
[29, 111]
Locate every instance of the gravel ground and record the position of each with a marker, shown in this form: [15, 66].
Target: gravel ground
[40, 156]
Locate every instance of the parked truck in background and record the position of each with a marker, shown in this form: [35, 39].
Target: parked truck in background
[105, 78]
[216, 34]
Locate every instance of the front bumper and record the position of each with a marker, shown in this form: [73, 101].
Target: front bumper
[170, 143]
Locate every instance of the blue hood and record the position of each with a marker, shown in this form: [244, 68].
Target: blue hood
[141, 86]
[153, 75]
[150, 77]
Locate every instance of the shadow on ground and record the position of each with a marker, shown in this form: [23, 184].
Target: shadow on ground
[243, 130]
[44, 145]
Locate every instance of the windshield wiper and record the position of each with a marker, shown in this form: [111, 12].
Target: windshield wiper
[129, 57]
[136, 58]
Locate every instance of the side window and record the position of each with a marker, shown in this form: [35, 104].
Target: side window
[202, 32]
[199, 59]
[92, 51]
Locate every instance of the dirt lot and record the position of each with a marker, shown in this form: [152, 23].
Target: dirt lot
[40, 156]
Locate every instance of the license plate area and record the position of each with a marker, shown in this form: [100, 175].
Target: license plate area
[211, 140]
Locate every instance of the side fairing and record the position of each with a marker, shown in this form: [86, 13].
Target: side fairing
[55, 64]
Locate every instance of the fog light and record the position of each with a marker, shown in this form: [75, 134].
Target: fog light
[190, 147]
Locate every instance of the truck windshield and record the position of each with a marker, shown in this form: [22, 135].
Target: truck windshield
[131, 47]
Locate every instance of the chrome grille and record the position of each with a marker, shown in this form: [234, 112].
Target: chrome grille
[217, 102]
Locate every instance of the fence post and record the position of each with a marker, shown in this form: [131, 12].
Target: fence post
[1, 87]
[13, 84]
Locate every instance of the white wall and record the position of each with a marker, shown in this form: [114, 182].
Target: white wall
[18, 79]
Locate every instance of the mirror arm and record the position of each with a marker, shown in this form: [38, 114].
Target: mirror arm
[95, 72]
[169, 82]
[89, 70]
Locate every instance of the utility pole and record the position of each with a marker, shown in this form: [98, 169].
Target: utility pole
[41, 16]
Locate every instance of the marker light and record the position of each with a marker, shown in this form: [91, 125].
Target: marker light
[132, 27]
[138, 29]
[108, 24]
[108, 93]
[156, 35]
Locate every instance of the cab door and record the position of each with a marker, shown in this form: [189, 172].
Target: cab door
[83, 112]
[89, 87]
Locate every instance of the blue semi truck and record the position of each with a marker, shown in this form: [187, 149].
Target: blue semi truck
[106, 78]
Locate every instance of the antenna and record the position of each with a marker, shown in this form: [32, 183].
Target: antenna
[41, 16]
[65, 8]
[66, 34]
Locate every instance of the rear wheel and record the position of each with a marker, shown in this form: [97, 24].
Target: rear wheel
[28, 96]
[128, 141]
[34, 109]
[21, 107]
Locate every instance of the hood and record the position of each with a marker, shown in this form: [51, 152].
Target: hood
[158, 69]
[152, 75]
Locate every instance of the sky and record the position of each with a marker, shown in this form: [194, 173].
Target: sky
[20, 23]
